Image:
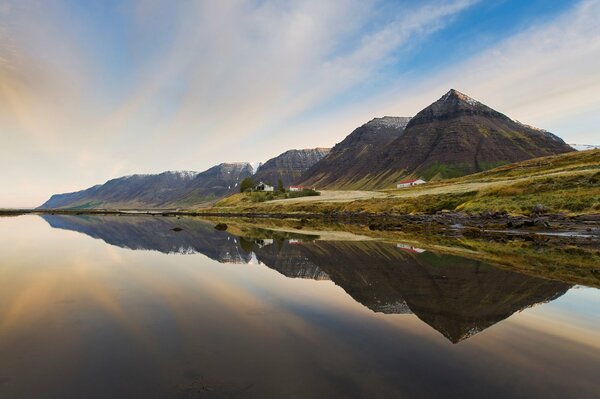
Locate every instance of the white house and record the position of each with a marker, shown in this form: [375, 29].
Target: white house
[264, 187]
[410, 183]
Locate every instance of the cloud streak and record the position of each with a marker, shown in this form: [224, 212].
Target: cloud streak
[87, 93]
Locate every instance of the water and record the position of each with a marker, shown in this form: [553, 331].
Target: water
[111, 307]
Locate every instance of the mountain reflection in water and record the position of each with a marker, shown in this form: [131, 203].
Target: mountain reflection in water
[456, 296]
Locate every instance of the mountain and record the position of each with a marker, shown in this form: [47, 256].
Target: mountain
[289, 166]
[350, 161]
[164, 190]
[452, 137]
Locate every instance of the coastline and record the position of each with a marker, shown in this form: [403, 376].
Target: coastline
[484, 223]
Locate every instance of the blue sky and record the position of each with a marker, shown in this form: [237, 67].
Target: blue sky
[97, 89]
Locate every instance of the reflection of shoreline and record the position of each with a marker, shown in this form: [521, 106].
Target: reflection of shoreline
[458, 297]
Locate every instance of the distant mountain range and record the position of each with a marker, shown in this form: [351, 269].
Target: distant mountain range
[186, 189]
[454, 136]
[164, 190]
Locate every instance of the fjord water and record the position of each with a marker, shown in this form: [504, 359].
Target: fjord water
[110, 307]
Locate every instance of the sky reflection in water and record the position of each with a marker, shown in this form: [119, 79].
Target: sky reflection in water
[275, 317]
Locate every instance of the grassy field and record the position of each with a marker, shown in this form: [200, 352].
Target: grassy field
[568, 183]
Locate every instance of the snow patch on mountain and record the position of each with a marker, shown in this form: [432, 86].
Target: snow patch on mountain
[255, 166]
[584, 147]
[395, 122]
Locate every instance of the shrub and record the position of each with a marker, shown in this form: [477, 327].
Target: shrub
[246, 185]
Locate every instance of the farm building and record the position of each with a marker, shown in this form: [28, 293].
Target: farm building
[410, 183]
[263, 187]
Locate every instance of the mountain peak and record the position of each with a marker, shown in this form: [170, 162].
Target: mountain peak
[455, 95]
[454, 104]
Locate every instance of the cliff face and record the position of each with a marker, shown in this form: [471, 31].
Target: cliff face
[164, 190]
[289, 166]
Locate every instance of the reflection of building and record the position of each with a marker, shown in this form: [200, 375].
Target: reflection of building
[263, 242]
[410, 248]
[294, 241]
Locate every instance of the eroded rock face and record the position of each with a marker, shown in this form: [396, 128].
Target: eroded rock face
[289, 166]
[164, 190]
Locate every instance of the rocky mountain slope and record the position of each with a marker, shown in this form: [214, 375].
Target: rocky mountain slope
[164, 190]
[289, 166]
[452, 137]
[350, 161]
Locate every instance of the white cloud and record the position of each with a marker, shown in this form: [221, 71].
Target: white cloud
[211, 81]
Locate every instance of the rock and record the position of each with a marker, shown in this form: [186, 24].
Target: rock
[176, 229]
[539, 209]
[221, 226]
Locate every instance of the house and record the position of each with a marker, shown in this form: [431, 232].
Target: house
[409, 248]
[263, 187]
[297, 188]
[410, 183]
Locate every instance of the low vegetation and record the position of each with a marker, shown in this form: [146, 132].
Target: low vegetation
[573, 262]
[253, 197]
[568, 184]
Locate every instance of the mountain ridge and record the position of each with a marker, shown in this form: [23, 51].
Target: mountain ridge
[161, 190]
[343, 163]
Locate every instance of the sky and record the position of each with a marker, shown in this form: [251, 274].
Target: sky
[92, 90]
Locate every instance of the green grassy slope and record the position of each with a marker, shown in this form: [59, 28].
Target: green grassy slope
[567, 183]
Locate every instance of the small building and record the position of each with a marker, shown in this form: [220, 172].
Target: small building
[297, 188]
[263, 187]
[409, 248]
[410, 183]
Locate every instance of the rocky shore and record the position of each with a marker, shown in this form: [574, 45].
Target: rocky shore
[483, 223]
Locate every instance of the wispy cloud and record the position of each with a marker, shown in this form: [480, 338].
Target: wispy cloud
[92, 90]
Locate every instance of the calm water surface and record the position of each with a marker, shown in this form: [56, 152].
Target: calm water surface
[126, 307]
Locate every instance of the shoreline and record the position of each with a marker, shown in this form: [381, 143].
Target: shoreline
[485, 223]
